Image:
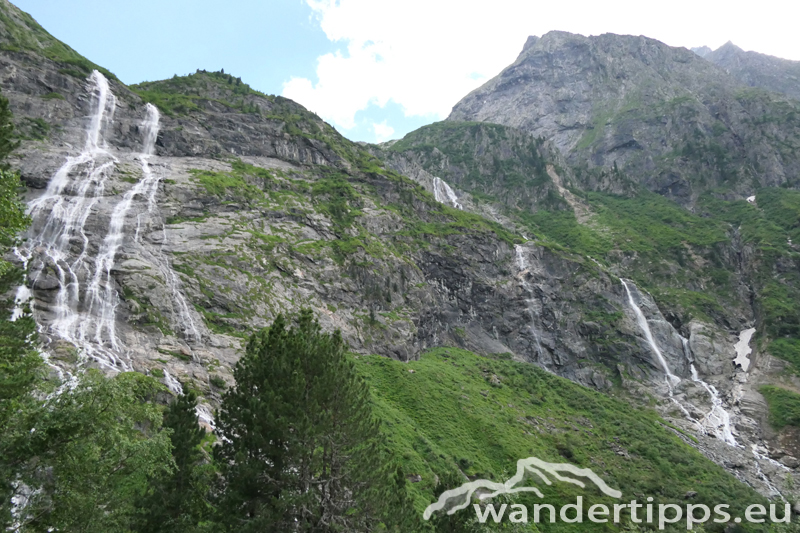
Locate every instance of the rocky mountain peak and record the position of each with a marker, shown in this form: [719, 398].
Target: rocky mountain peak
[532, 39]
[702, 51]
[758, 70]
[628, 102]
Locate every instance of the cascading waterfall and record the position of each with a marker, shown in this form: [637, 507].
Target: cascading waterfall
[101, 293]
[444, 194]
[758, 456]
[522, 265]
[59, 217]
[645, 327]
[148, 187]
[87, 318]
[204, 415]
[718, 419]
[172, 384]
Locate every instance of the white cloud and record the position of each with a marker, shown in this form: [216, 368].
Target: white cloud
[383, 131]
[425, 55]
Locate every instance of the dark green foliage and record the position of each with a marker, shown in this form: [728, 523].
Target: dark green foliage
[784, 406]
[217, 382]
[89, 449]
[21, 371]
[7, 141]
[175, 501]
[12, 213]
[300, 447]
[182, 95]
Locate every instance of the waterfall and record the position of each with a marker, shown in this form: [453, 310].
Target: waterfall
[645, 327]
[58, 220]
[149, 189]
[102, 294]
[718, 419]
[149, 183]
[202, 411]
[204, 415]
[172, 384]
[444, 194]
[758, 456]
[522, 265]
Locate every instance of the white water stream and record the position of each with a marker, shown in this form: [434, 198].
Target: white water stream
[148, 187]
[59, 217]
[86, 297]
[718, 420]
[522, 265]
[444, 194]
[23, 294]
[641, 320]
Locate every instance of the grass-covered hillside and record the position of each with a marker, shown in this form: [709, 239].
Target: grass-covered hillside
[453, 412]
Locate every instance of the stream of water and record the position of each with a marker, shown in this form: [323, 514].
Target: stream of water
[444, 194]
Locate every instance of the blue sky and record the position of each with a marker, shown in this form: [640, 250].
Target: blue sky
[266, 43]
[377, 69]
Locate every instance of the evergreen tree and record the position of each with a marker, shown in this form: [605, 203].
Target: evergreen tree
[300, 449]
[12, 211]
[176, 501]
[88, 451]
[7, 141]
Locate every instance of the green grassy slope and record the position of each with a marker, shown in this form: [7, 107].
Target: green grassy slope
[458, 411]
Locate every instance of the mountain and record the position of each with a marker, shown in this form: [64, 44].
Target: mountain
[716, 262]
[702, 51]
[758, 70]
[171, 219]
[680, 124]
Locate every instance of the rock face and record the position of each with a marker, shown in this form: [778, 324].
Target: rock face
[161, 240]
[661, 114]
[758, 70]
[240, 225]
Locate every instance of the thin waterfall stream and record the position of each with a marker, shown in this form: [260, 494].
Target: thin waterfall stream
[523, 269]
[641, 320]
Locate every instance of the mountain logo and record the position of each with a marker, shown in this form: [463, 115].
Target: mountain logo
[456, 499]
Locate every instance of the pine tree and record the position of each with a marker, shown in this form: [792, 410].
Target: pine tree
[7, 141]
[176, 501]
[300, 450]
